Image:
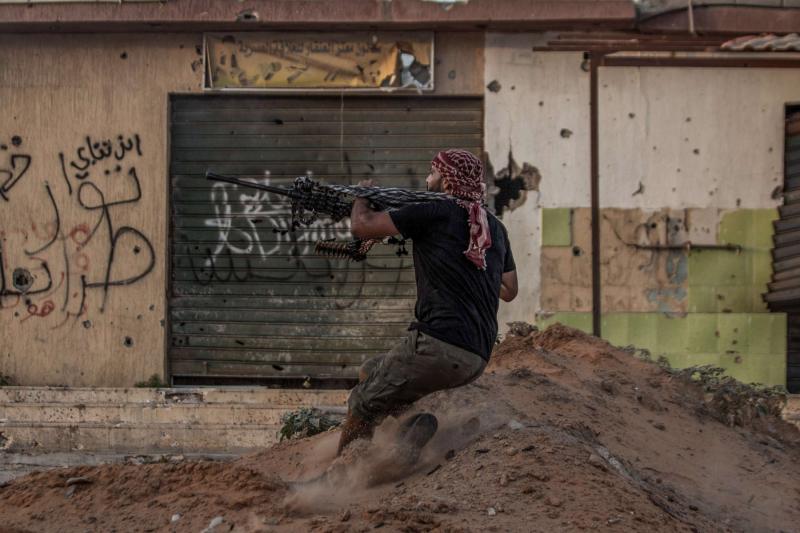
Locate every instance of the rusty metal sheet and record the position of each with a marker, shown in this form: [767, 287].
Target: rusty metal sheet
[248, 298]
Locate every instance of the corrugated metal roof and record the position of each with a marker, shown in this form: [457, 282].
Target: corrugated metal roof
[766, 43]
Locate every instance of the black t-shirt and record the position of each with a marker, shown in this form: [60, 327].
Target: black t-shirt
[456, 302]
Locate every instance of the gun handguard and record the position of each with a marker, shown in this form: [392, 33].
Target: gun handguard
[310, 199]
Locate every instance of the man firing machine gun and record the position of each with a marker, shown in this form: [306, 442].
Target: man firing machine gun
[463, 265]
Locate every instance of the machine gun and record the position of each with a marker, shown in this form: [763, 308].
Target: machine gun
[310, 200]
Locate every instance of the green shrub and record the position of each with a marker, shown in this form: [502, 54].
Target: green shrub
[305, 422]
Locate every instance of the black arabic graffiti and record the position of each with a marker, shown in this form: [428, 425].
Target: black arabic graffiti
[18, 165]
[91, 198]
[98, 151]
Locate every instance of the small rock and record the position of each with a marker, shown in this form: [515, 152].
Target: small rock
[552, 501]
[175, 517]
[503, 480]
[694, 508]
[491, 511]
[596, 461]
[511, 451]
[70, 491]
[214, 524]
[176, 458]
[78, 481]
[660, 426]
[529, 490]
[513, 424]
[482, 450]
[540, 476]
[345, 516]
[529, 448]
[612, 521]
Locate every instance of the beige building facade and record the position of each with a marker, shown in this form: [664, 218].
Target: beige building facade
[686, 155]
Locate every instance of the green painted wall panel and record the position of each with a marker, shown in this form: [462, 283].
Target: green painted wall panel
[556, 227]
[750, 346]
[750, 228]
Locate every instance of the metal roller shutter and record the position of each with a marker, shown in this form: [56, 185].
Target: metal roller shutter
[249, 300]
[784, 290]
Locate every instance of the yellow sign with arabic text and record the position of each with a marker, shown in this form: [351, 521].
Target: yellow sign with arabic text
[319, 61]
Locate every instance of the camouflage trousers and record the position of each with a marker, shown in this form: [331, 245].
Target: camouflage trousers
[418, 366]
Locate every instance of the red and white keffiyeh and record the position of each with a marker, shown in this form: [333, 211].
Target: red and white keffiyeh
[462, 177]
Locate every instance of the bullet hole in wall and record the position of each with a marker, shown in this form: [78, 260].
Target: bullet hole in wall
[577, 251]
[22, 279]
[451, 75]
[247, 15]
[87, 324]
[123, 55]
[128, 342]
[16, 140]
[566, 133]
[494, 86]
[508, 188]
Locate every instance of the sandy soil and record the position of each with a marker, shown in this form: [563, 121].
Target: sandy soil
[562, 433]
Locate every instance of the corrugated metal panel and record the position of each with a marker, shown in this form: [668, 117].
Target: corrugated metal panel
[793, 353]
[784, 290]
[248, 298]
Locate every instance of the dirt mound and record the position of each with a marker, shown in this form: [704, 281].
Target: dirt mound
[562, 433]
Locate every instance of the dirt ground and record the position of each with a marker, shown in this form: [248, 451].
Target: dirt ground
[562, 433]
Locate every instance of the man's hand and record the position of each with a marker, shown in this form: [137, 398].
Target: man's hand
[368, 224]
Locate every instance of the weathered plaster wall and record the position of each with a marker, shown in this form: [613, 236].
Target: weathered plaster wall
[537, 112]
[83, 140]
[693, 137]
[686, 155]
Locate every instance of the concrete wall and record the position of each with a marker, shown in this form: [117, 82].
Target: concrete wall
[84, 207]
[686, 155]
[85, 226]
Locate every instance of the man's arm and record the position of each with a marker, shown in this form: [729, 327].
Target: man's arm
[368, 224]
[508, 286]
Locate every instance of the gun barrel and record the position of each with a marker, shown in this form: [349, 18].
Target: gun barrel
[245, 183]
